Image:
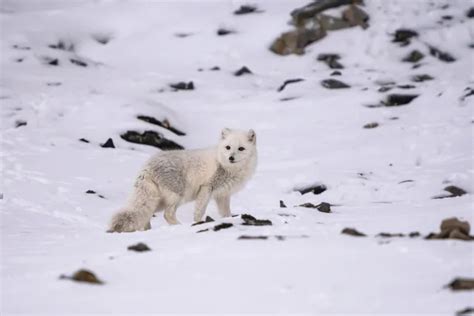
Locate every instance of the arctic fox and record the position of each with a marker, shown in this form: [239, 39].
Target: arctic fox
[172, 178]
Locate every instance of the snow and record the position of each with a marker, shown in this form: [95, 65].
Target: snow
[50, 227]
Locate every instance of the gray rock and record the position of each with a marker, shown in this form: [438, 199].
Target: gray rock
[334, 84]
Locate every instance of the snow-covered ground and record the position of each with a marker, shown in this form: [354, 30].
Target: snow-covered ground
[50, 226]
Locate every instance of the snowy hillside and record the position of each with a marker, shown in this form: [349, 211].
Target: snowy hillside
[85, 69]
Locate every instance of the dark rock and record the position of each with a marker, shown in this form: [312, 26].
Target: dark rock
[421, 78]
[406, 86]
[108, 144]
[414, 234]
[78, 62]
[390, 235]
[414, 57]
[150, 138]
[310, 10]
[165, 124]
[51, 61]
[90, 192]
[468, 92]
[288, 99]
[246, 9]
[21, 47]
[356, 16]
[331, 60]
[315, 189]
[335, 73]
[208, 219]
[203, 230]
[242, 71]
[470, 13]
[248, 237]
[287, 82]
[322, 207]
[465, 311]
[84, 140]
[83, 275]
[334, 84]
[140, 247]
[371, 125]
[62, 45]
[385, 89]
[53, 84]
[455, 191]
[461, 284]
[404, 36]
[406, 181]
[215, 68]
[447, 17]
[352, 232]
[399, 99]
[183, 35]
[294, 42]
[20, 123]
[182, 86]
[223, 32]
[19, 60]
[222, 226]
[249, 220]
[443, 56]
[282, 204]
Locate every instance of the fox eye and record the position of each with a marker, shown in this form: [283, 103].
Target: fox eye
[241, 148]
[227, 147]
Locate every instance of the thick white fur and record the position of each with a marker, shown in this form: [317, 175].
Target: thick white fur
[172, 178]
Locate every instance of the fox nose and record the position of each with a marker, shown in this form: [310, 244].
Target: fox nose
[231, 158]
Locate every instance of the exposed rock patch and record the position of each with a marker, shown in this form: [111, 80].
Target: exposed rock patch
[399, 99]
[461, 284]
[414, 57]
[108, 144]
[182, 86]
[150, 138]
[165, 124]
[421, 78]
[83, 275]
[453, 191]
[452, 228]
[287, 82]
[140, 247]
[322, 207]
[334, 84]
[331, 60]
[371, 125]
[352, 232]
[443, 56]
[242, 71]
[404, 36]
[249, 220]
[246, 9]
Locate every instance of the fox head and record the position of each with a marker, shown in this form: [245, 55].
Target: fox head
[236, 147]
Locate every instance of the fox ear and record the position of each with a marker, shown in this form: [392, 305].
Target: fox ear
[225, 132]
[252, 137]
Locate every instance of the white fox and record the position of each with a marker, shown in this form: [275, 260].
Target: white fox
[172, 178]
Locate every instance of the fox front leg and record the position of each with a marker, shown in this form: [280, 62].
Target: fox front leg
[202, 200]
[223, 205]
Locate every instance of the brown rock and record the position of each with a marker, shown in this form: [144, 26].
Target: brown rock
[356, 16]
